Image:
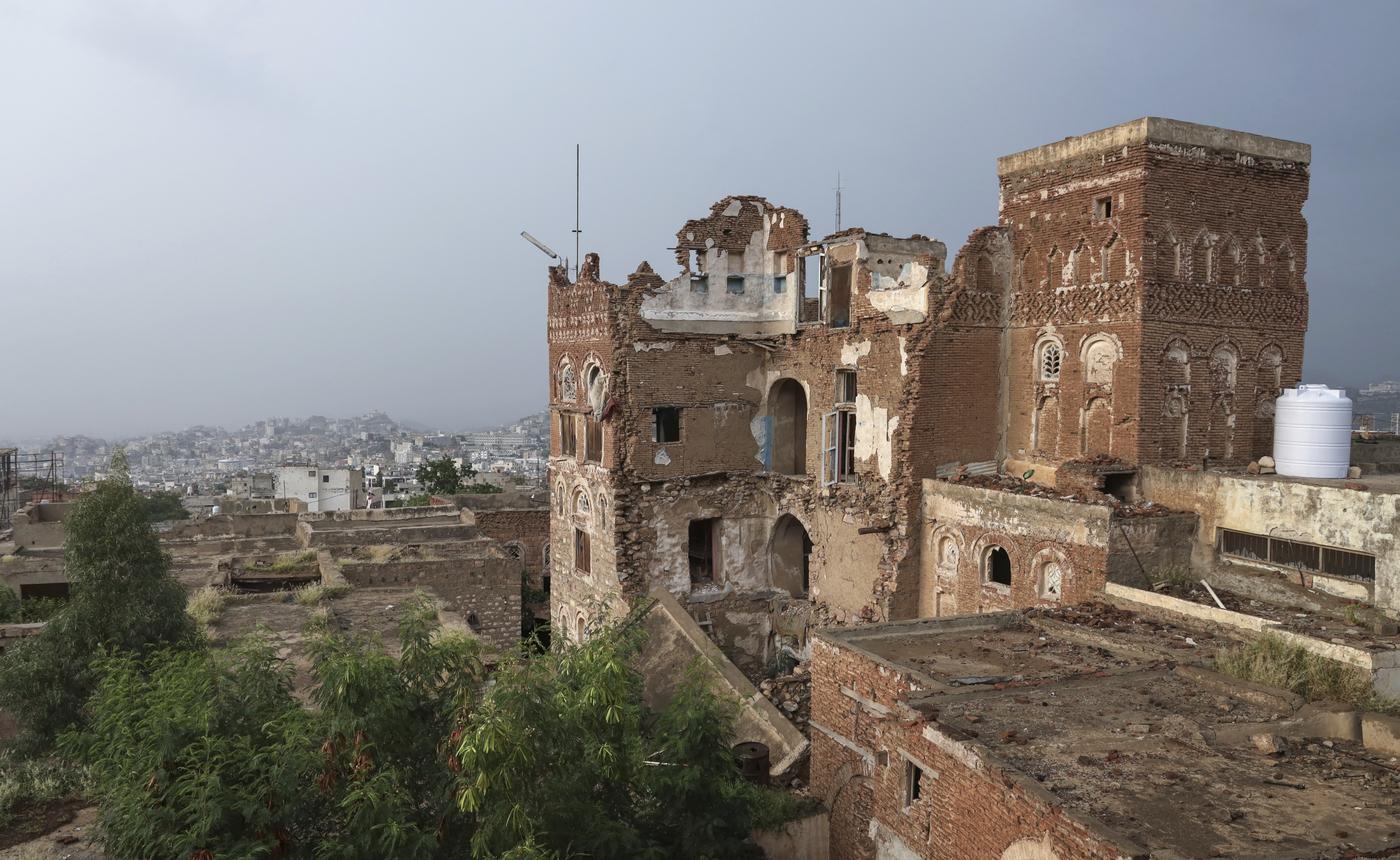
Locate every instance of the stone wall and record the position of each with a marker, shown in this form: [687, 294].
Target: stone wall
[525, 530]
[234, 525]
[484, 591]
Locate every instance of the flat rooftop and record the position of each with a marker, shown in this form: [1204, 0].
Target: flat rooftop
[1155, 129]
[1114, 714]
[1383, 483]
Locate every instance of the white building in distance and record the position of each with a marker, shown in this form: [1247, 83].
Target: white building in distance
[338, 489]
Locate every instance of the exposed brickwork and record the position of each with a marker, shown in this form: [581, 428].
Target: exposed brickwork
[1200, 247]
[950, 368]
[861, 744]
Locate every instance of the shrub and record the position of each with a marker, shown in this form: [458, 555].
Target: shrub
[31, 782]
[1272, 661]
[315, 592]
[206, 605]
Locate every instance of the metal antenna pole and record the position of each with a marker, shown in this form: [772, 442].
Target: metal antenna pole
[577, 231]
[838, 201]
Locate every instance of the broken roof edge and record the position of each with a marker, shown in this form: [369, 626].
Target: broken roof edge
[1154, 129]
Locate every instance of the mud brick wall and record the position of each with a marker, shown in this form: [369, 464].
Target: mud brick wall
[483, 590]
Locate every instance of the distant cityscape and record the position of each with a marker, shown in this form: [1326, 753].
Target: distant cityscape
[203, 463]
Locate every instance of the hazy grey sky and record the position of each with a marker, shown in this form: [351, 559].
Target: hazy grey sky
[215, 212]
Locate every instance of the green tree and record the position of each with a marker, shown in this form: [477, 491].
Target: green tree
[122, 597]
[439, 476]
[558, 757]
[208, 753]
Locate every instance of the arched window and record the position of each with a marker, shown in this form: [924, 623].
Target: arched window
[568, 383]
[1224, 367]
[580, 629]
[1229, 263]
[1203, 258]
[790, 556]
[560, 498]
[1079, 262]
[1285, 267]
[1270, 368]
[1099, 356]
[583, 506]
[1050, 570]
[996, 566]
[1177, 362]
[1048, 361]
[595, 385]
[1053, 268]
[1169, 257]
[602, 510]
[1112, 260]
[787, 411]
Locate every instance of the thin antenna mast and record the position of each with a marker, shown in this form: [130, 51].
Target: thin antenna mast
[577, 231]
[838, 201]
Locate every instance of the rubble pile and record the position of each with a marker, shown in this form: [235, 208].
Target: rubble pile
[1011, 484]
[791, 694]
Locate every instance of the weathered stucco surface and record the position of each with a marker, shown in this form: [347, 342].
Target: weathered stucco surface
[1327, 513]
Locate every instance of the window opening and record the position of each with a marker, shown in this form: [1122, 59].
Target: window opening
[1051, 359]
[666, 424]
[1103, 208]
[568, 434]
[998, 566]
[734, 285]
[703, 549]
[593, 452]
[846, 386]
[913, 783]
[583, 551]
[838, 312]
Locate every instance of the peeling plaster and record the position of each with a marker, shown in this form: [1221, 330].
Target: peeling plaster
[902, 298]
[723, 349]
[662, 458]
[874, 429]
[758, 426]
[852, 353]
[648, 346]
[903, 357]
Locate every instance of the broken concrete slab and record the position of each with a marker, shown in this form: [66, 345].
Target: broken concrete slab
[674, 641]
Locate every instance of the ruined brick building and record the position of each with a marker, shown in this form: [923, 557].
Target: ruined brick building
[759, 434]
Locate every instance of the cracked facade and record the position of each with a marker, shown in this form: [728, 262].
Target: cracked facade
[755, 434]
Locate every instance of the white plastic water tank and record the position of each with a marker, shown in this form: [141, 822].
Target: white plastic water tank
[1312, 432]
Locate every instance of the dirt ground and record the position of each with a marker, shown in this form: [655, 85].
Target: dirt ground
[73, 839]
